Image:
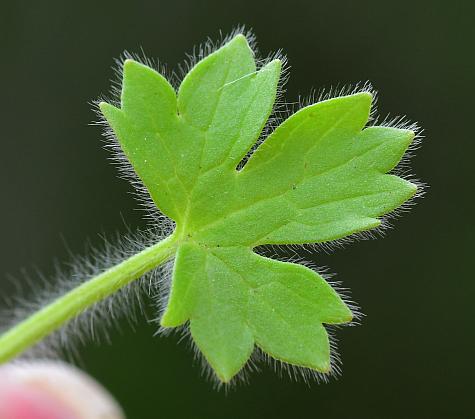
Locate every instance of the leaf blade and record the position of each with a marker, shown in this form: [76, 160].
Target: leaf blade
[320, 176]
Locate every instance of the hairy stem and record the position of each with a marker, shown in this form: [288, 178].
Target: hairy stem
[53, 316]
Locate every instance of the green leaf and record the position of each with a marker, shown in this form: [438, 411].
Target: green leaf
[320, 176]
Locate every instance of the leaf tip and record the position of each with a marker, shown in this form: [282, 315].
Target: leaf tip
[130, 64]
[276, 62]
[108, 110]
[129, 61]
[240, 42]
[347, 316]
[322, 365]
[224, 377]
[409, 135]
[365, 97]
[413, 188]
[225, 373]
[132, 67]
[239, 38]
[325, 367]
[102, 105]
[168, 321]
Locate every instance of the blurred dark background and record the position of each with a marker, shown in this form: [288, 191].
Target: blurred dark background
[412, 356]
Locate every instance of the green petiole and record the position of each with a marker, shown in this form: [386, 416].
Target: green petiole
[50, 318]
